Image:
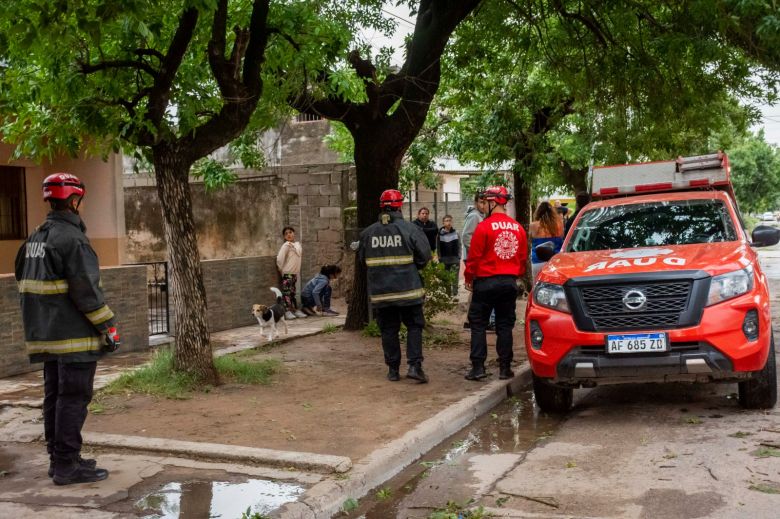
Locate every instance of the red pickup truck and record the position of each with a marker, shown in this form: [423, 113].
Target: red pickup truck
[657, 281]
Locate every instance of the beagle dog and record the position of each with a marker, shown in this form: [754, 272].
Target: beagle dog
[271, 315]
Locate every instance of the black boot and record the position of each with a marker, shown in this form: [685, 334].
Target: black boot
[477, 372]
[505, 372]
[77, 473]
[392, 374]
[89, 463]
[416, 372]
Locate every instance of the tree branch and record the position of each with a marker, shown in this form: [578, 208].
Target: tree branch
[161, 91]
[90, 68]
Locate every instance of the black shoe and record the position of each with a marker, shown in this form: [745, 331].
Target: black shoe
[89, 463]
[79, 474]
[416, 372]
[477, 372]
[393, 375]
[505, 373]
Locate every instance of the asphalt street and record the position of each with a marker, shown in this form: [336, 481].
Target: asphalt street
[629, 451]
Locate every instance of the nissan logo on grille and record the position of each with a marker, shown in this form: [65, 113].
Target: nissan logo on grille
[634, 300]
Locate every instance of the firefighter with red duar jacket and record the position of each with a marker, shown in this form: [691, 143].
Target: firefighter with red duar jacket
[496, 259]
[67, 324]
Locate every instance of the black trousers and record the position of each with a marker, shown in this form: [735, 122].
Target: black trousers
[67, 391]
[389, 319]
[497, 293]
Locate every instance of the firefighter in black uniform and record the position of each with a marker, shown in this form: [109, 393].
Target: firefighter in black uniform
[394, 251]
[67, 324]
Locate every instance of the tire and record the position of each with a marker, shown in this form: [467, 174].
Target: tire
[760, 392]
[551, 398]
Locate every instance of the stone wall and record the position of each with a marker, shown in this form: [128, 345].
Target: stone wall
[125, 291]
[244, 219]
[234, 285]
[320, 194]
[303, 143]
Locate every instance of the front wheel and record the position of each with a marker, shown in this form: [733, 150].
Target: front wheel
[551, 398]
[760, 391]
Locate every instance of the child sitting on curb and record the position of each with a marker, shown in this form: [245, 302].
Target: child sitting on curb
[315, 297]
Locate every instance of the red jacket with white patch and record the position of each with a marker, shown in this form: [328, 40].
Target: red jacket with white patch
[499, 247]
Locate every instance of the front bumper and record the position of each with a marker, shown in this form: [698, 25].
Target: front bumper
[716, 348]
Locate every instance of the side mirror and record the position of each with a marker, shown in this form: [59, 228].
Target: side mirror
[545, 251]
[765, 236]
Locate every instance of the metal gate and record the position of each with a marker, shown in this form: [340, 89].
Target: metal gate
[157, 295]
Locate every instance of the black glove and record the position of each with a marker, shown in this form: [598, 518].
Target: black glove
[111, 340]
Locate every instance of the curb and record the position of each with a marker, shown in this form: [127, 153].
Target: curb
[216, 451]
[326, 498]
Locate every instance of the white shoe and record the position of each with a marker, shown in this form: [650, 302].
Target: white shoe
[288, 315]
[298, 313]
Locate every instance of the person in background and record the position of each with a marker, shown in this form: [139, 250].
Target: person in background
[315, 296]
[582, 198]
[448, 250]
[67, 324]
[288, 262]
[427, 226]
[394, 252]
[474, 215]
[546, 226]
[496, 260]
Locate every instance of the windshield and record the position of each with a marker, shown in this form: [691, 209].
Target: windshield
[651, 224]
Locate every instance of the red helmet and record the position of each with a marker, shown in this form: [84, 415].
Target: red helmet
[392, 198]
[499, 194]
[60, 186]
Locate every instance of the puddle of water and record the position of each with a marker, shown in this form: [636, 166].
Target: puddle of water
[514, 426]
[212, 499]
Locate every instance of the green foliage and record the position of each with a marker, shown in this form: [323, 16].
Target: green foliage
[372, 330]
[755, 173]
[215, 174]
[437, 281]
[349, 504]
[549, 92]
[473, 185]
[455, 510]
[340, 140]
[249, 514]
[384, 493]
[158, 377]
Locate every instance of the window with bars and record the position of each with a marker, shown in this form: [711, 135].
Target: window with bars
[13, 210]
[304, 118]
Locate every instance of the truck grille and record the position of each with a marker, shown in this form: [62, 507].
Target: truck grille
[665, 302]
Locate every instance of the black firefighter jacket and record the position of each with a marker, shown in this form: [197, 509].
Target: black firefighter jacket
[63, 309]
[394, 250]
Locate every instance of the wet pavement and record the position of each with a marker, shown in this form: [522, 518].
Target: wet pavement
[460, 467]
[199, 498]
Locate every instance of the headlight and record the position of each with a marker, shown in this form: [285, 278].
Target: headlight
[730, 285]
[551, 296]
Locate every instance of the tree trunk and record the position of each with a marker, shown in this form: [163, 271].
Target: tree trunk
[523, 212]
[193, 350]
[376, 169]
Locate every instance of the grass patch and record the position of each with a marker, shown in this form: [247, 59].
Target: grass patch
[246, 372]
[766, 489]
[159, 379]
[766, 452]
[330, 328]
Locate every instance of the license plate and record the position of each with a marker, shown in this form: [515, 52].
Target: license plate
[637, 343]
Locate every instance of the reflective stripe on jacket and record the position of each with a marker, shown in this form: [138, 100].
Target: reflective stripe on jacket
[394, 250]
[63, 308]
